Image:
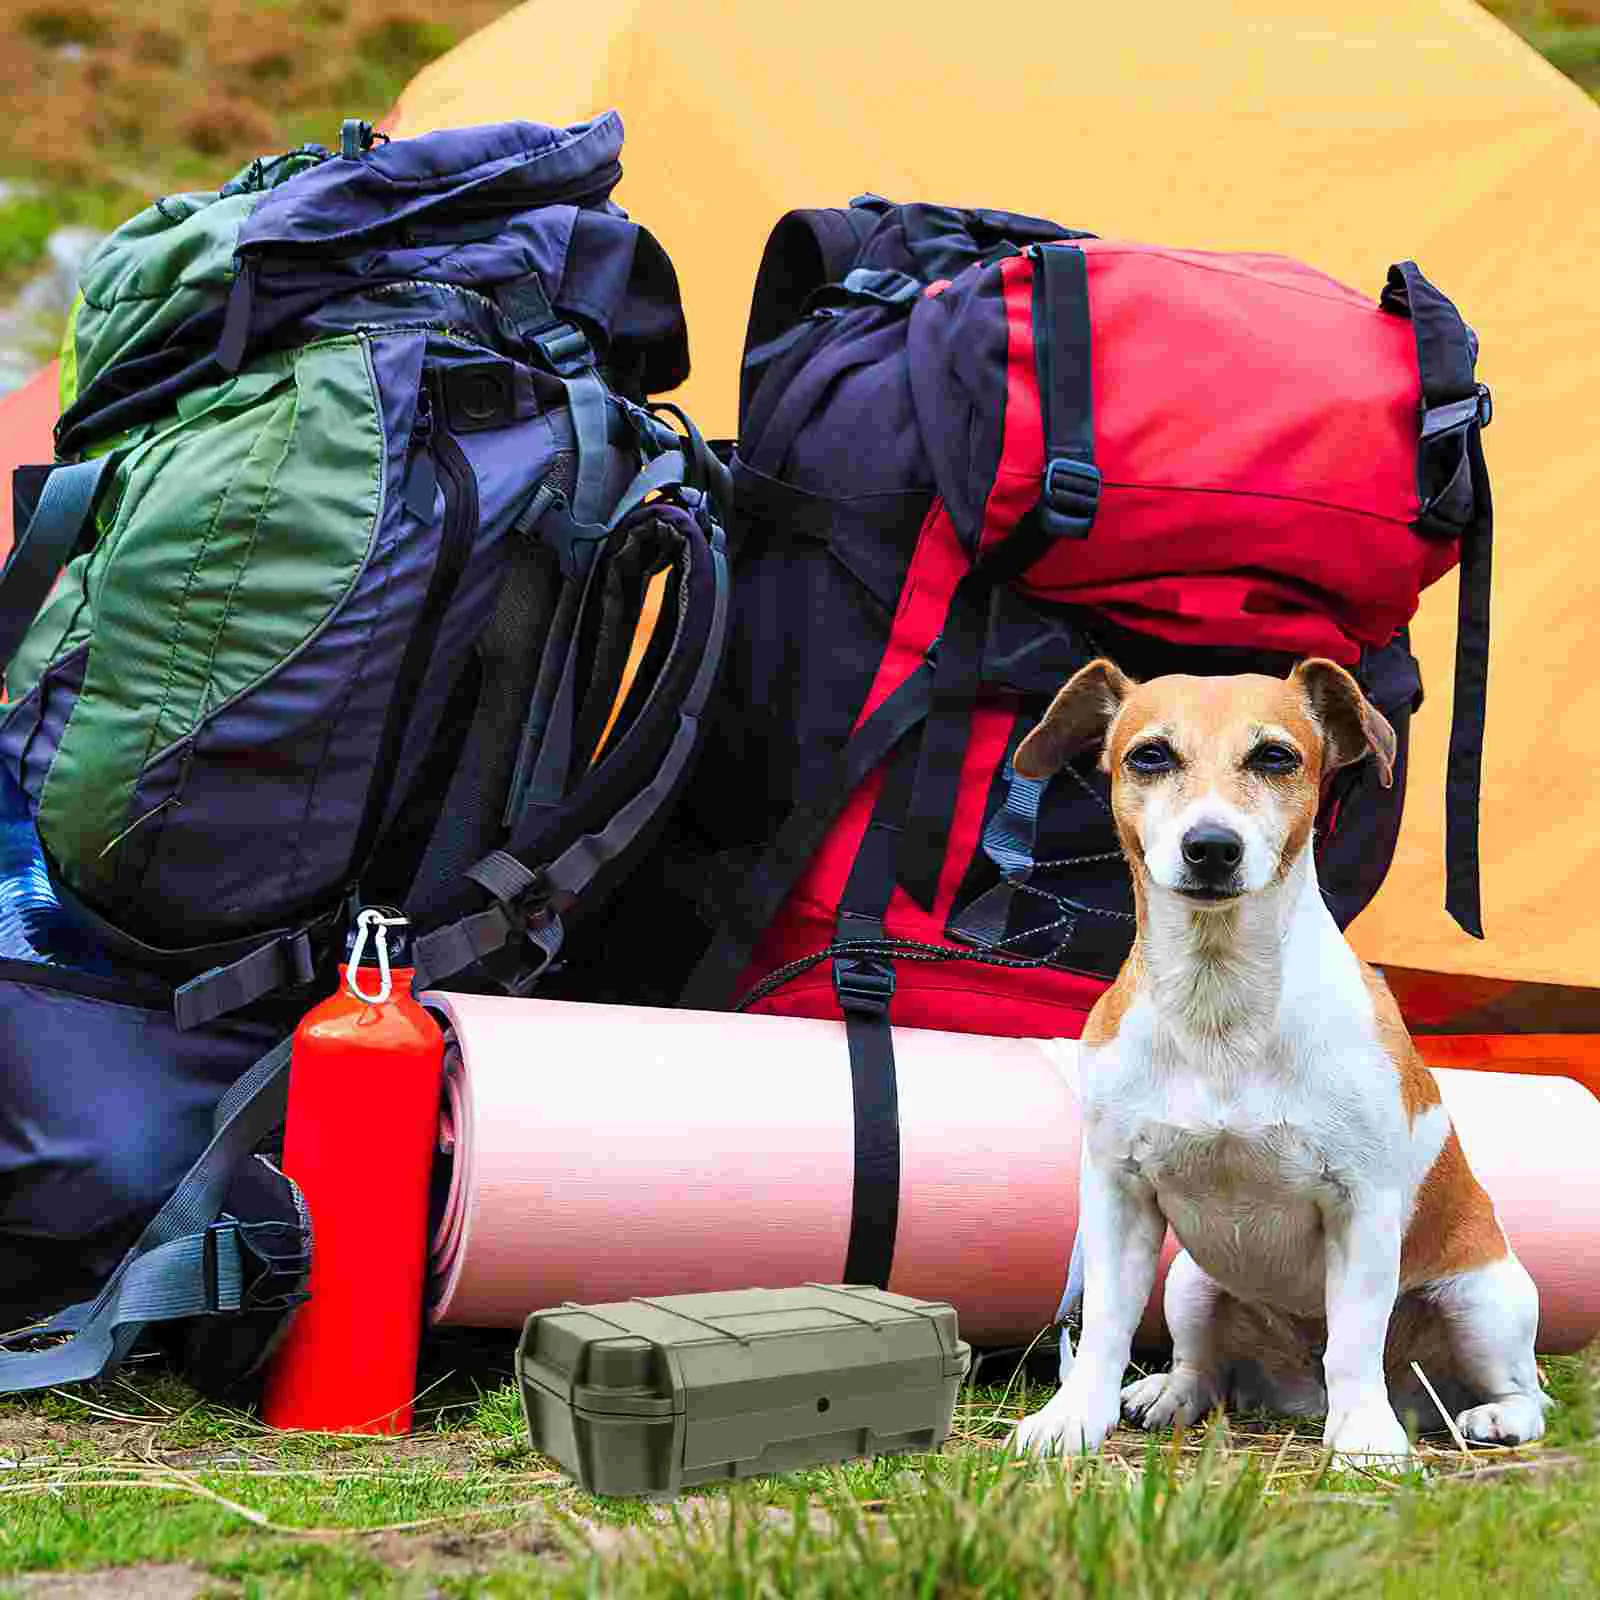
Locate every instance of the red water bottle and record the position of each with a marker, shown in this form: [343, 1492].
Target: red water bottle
[363, 1124]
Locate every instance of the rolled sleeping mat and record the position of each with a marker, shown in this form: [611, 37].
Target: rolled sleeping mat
[592, 1153]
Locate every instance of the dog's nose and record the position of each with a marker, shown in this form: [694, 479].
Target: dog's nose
[1212, 852]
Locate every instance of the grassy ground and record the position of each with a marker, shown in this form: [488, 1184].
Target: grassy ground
[133, 1488]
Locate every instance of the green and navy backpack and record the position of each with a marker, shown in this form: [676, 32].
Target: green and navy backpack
[384, 583]
[361, 506]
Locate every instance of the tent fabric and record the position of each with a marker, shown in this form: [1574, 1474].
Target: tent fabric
[1349, 138]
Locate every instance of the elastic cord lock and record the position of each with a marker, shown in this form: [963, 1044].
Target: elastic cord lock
[370, 947]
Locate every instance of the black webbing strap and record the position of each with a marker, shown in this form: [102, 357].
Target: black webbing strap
[937, 784]
[1463, 897]
[285, 962]
[1069, 497]
[61, 527]
[1068, 501]
[763, 891]
[1453, 487]
[864, 985]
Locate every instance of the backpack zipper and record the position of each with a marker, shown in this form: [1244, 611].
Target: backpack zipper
[436, 457]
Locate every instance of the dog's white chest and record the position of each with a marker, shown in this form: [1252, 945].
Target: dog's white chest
[1246, 1167]
[1244, 1188]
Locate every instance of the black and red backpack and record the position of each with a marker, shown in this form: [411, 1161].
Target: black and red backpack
[977, 450]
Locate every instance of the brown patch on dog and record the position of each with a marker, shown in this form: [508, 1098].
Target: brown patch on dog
[1453, 1226]
[1418, 1088]
[1350, 724]
[1105, 1019]
[1083, 709]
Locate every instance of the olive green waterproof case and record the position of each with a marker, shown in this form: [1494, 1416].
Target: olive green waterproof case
[647, 1397]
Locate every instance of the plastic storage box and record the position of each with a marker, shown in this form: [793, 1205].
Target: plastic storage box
[647, 1397]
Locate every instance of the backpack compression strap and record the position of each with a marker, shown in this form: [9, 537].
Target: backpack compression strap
[1453, 483]
[1069, 498]
[186, 1263]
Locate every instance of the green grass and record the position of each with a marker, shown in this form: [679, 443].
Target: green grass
[137, 1473]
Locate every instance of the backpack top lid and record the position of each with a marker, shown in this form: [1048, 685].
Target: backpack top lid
[195, 284]
[475, 174]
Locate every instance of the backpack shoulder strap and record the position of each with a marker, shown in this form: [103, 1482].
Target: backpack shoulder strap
[57, 525]
[527, 902]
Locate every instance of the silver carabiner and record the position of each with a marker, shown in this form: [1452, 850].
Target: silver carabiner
[368, 922]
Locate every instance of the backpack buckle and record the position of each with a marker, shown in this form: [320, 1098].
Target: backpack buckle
[882, 284]
[221, 1267]
[1477, 407]
[864, 985]
[564, 349]
[1071, 498]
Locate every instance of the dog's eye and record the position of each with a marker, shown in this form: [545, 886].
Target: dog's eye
[1274, 758]
[1154, 755]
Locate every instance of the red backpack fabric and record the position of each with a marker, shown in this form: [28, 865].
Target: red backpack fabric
[976, 451]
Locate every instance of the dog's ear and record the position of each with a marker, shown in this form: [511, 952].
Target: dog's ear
[1351, 725]
[1078, 717]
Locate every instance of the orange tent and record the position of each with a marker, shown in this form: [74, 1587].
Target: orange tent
[1350, 138]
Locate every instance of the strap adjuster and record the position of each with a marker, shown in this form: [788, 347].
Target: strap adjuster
[1071, 498]
[564, 349]
[221, 1288]
[543, 929]
[864, 985]
[1477, 407]
[880, 283]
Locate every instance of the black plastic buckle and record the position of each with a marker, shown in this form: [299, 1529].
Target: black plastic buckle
[479, 394]
[1071, 498]
[564, 349]
[210, 1277]
[863, 984]
[575, 543]
[1477, 407]
[883, 285]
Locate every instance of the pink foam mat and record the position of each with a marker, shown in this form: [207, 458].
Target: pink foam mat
[600, 1152]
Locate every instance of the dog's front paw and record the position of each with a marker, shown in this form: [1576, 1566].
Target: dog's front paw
[1066, 1426]
[1183, 1396]
[1518, 1419]
[1366, 1433]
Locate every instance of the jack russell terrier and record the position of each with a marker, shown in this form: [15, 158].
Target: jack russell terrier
[1248, 1080]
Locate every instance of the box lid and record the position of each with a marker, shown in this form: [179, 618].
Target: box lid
[712, 1354]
